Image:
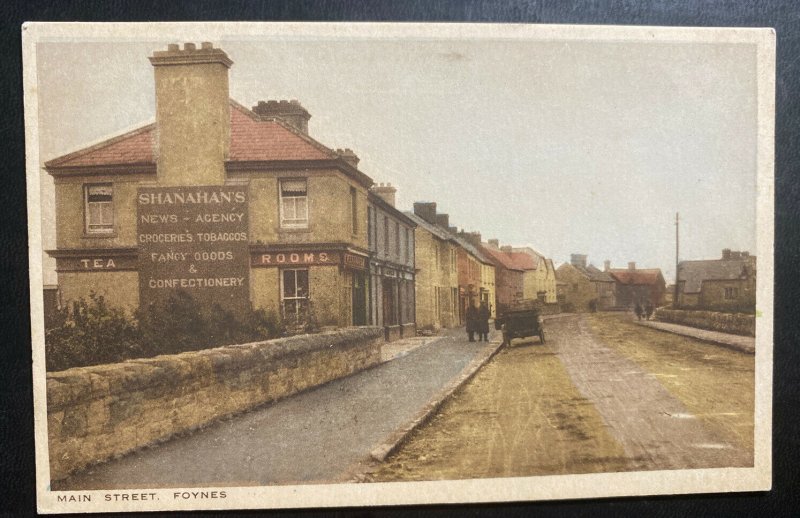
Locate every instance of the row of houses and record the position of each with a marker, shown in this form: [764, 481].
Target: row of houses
[242, 207]
[724, 284]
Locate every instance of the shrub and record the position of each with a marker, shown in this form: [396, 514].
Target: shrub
[90, 332]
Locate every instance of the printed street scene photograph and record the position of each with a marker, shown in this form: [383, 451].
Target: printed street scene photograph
[309, 265]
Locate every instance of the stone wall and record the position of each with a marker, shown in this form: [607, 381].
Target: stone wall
[98, 412]
[734, 323]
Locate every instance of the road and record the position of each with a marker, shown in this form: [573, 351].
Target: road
[318, 436]
[602, 395]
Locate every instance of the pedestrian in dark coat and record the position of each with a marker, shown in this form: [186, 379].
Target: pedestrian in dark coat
[648, 310]
[483, 322]
[638, 310]
[472, 321]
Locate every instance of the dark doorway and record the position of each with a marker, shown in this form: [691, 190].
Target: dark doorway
[359, 299]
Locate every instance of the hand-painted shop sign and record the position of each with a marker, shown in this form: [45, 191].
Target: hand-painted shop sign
[95, 260]
[358, 262]
[295, 258]
[194, 239]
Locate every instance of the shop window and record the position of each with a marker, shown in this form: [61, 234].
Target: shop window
[99, 209]
[294, 292]
[294, 204]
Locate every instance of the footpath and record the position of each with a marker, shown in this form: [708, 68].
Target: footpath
[746, 344]
[326, 434]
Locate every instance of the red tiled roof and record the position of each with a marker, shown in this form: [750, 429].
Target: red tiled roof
[513, 260]
[134, 147]
[251, 140]
[636, 277]
[255, 140]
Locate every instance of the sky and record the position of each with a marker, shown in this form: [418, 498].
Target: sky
[565, 146]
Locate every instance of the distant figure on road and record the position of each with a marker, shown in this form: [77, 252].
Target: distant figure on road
[638, 310]
[648, 310]
[472, 321]
[483, 322]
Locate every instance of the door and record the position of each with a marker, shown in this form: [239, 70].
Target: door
[359, 299]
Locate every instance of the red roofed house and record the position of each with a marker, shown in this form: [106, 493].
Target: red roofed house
[236, 206]
[510, 271]
[638, 285]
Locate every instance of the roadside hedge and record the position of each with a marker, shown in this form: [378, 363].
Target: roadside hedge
[90, 332]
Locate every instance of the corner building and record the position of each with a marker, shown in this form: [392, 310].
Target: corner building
[305, 216]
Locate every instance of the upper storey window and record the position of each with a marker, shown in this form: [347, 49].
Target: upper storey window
[99, 202]
[294, 204]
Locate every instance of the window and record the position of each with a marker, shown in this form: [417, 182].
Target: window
[397, 239]
[294, 204]
[354, 209]
[731, 293]
[99, 209]
[294, 292]
[369, 226]
[408, 244]
[385, 235]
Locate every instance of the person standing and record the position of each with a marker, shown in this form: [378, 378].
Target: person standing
[472, 321]
[638, 310]
[483, 322]
[648, 310]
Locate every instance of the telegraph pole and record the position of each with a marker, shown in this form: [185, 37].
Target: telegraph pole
[677, 245]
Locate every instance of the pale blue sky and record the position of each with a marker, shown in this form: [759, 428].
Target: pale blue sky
[571, 147]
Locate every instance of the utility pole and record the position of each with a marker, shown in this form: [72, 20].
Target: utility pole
[677, 245]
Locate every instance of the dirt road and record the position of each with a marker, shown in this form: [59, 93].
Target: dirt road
[602, 395]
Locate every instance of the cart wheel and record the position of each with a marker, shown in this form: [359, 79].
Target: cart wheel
[541, 335]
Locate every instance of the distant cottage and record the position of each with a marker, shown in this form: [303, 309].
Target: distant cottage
[586, 287]
[725, 284]
[640, 285]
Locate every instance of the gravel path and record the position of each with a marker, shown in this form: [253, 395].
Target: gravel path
[316, 436]
[654, 428]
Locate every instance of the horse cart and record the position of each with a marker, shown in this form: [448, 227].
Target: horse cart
[520, 320]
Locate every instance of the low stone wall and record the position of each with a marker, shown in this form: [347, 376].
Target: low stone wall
[733, 323]
[99, 412]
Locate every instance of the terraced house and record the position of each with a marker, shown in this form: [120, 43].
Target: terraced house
[235, 206]
[436, 279]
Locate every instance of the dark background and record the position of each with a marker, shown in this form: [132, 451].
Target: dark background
[17, 493]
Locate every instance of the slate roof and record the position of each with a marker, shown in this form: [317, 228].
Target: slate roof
[436, 230]
[638, 277]
[597, 275]
[695, 272]
[252, 139]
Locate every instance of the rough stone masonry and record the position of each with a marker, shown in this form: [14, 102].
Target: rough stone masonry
[98, 412]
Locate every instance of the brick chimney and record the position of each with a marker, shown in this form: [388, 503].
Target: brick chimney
[386, 192]
[726, 254]
[290, 112]
[426, 210]
[192, 114]
[578, 260]
[494, 243]
[507, 249]
[443, 220]
[453, 230]
[349, 156]
[606, 265]
[473, 238]
[631, 265]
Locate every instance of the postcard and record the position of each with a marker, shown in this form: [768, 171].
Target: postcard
[306, 265]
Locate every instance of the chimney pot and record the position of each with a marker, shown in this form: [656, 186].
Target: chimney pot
[386, 192]
[291, 113]
[426, 210]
